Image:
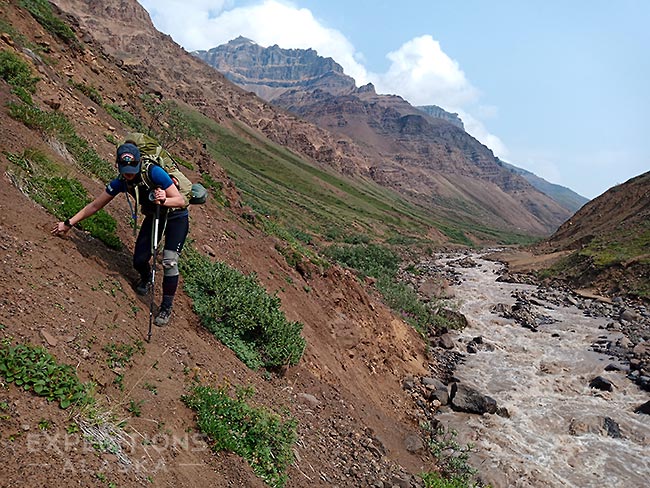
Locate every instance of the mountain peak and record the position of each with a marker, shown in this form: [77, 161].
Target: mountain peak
[241, 41]
[271, 71]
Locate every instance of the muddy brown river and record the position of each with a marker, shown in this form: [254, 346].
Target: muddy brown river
[561, 432]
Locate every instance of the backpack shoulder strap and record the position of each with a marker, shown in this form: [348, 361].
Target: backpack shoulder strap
[145, 172]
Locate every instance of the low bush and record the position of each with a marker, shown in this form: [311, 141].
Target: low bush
[63, 197]
[126, 117]
[57, 125]
[33, 368]
[368, 259]
[15, 71]
[259, 436]
[88, 90]
[452, 458]
[240, 313]
[42, 11]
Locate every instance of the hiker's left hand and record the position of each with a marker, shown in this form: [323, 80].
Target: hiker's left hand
[159, 196]
[60, 229]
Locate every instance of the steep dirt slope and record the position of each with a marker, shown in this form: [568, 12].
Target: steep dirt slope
[74, 297]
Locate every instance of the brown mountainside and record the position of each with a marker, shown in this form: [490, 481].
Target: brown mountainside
[604, 247]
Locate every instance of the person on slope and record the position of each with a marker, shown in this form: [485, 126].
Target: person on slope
[173, 211]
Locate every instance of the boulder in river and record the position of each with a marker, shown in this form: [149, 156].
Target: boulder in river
[601, 383]
[645, 408]
[467, 399]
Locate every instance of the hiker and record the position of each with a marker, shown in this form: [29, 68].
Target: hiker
[156, 188]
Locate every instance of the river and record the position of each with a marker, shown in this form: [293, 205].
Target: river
[554, 436]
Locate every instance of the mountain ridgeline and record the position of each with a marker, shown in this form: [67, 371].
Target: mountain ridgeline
[421, 152]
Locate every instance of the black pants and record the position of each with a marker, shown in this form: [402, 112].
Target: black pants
[175, 234]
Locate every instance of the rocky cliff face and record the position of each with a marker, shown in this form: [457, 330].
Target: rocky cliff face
[440, 113]
[271, 71]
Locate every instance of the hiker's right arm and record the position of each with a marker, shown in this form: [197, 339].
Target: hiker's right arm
[92, 208]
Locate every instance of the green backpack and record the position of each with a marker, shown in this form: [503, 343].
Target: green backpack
[152, 153]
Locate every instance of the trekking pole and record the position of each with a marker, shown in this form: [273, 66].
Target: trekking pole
[154, 251]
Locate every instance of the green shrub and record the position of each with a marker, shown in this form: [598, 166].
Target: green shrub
[33, 368]
[57, 125]
[15, 71]
[63, 197]
[255, 434]
[435, 480]
[368, 259]
[125, 117]
[216, 189]
[404, 300]
[382, 263]
[90, 91]
[240, 313]
[451, 457]
[41, 10]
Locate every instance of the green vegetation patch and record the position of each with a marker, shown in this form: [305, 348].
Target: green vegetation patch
[88, 90]
[33, 368]
[240, 313]
[37, 178]
[57, 125]
[15, 71]
[42, 11]
[126, 117]
[368, 259]
[452, 459]
[619, 247]
[382, 263]
[259, 436]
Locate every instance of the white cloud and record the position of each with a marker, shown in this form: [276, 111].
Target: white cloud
[422, 73]
[267, 23]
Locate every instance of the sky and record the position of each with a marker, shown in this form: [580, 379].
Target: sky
[557, 87]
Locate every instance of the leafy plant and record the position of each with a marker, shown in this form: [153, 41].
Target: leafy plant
[88, 90]
[126, 117]
[61, 196]
[240, 313]
[369, 259]
[168, 123]
[435, 480]
[452, 458]
[120, 355]
[15, 71]
[33, 368]
[135, 407]
[259, 436]
[56, 124]
[216, 189]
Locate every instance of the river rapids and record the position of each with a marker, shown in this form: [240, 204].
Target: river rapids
[560, 432]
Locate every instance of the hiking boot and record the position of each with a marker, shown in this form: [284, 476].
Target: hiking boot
[142, 287]
[164, 314]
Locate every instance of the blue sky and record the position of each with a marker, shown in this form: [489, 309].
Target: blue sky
[559, 88]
